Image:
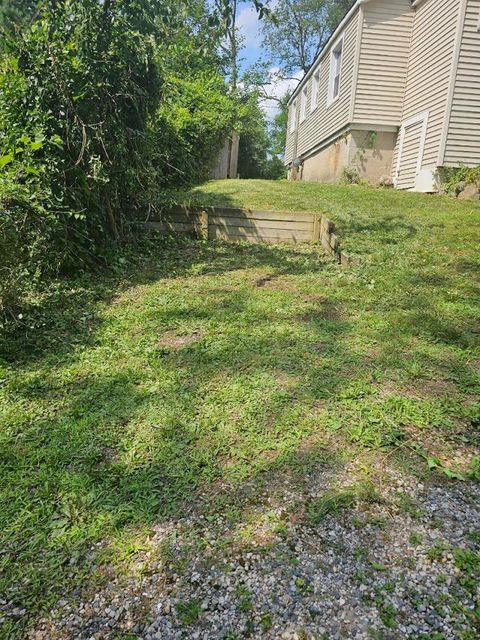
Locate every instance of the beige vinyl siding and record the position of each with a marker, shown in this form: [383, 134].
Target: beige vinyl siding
[290, 142]
[463, 138]
[429, 71]
[384, 53]
[324, 121]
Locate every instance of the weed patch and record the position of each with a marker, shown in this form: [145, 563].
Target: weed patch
[188, 612]
[337, 500]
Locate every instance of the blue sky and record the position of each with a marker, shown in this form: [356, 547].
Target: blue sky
[250, 29]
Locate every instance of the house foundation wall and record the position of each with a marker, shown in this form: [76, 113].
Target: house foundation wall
[327, 165]
[371, 153]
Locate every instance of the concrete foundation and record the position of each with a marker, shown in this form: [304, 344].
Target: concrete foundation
[371, 154]
[327, 165]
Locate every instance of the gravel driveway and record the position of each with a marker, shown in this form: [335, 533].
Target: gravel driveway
[402, 566]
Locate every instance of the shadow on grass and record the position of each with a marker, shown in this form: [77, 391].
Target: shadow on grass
[104, 448]
[67, 316]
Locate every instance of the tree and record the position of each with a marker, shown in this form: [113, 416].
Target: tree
[257, 156]
[15, 11]
[297, 30]
[104, 105]
[231, 44]
[278, 131]
[254, 141]
[227, 13]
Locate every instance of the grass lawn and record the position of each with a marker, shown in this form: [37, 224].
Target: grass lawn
[132, 398]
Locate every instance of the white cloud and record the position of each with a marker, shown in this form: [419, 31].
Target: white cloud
[248, 25]
[277, 88]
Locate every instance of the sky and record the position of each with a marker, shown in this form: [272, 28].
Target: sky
[249, 27]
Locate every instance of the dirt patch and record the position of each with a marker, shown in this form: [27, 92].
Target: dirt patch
[273, 282]
[311, 444]
[425, 389]
[327, 311]
[173, 340]
[109, 456]
[263, 281]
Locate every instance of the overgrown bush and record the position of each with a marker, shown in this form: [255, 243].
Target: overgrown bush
[257, 157]
[95, 124]
[198, 115]
[28, 246]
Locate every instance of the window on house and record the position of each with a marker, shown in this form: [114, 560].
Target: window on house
[303, 104]
[335, 71]
[315, 90]
[293, 116]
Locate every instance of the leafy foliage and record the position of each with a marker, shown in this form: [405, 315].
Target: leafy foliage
[454, 180]
[296, 32]
[255, 154]
[15, 13]
[27, 233]
[279, 127]
[198, 114]
[97, 116]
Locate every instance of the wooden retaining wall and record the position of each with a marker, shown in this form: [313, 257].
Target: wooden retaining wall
[222, 223]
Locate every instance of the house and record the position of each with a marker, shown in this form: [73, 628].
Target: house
[395, 93]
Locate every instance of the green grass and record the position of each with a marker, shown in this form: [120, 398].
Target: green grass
[335, 501]
[188, 612]
[124, 398]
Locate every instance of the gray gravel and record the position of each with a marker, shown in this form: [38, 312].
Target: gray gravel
[389, 570]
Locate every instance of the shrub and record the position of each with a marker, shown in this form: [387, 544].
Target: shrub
[28, 249]
[76, 90]
[257, 153]
[454, 180]
[95, 124]
[351, 175]
[190, 127]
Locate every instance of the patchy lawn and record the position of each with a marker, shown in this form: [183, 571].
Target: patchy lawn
[246, 391]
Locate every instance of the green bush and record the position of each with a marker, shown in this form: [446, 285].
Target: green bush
[198, 115]
[27, 246]
[454, 180]
[95, 126]
[257, 158]
[76, 88]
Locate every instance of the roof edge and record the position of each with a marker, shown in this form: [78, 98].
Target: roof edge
[337, 31]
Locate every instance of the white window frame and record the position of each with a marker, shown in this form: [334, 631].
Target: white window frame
[314, 99]
[303, 103]
[293, 116]
[338, 45]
